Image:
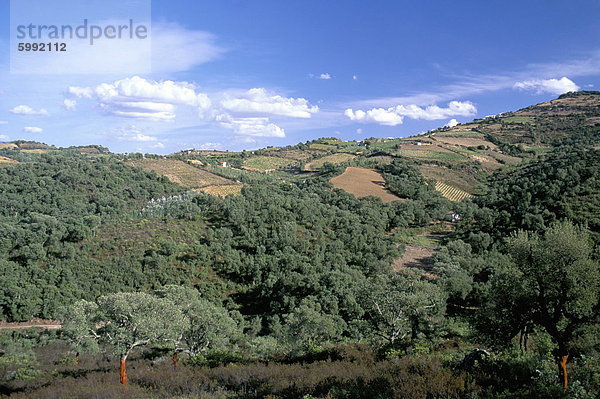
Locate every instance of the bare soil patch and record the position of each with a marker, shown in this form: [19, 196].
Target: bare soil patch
[415, 256]
[362, 182]
[38, 323]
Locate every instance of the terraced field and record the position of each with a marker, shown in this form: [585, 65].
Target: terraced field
[452, 193]
[181, 173]
[334, 159]
[362, 182]
[432, 155]
[263, 163]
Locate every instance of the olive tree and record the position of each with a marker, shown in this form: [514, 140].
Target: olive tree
[553, 284]
[401, 306]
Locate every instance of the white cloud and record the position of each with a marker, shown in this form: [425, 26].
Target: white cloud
[451, 123]
[176, 49]
[325, 76]
[143, 99]
[69, 105]
[254, 127]
[258, 100]
[133, 133]
[27, 110]
[3, 122]
[4, 137]
[359, 131]
[552, 86]
[378, 115]
[32, 129]
[432, 112]
[395, 115]
[354, 77]
[209, 146]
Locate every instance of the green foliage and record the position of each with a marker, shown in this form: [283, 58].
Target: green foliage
[403, 307]
[553, 284]
[566, 184]
[207, 325]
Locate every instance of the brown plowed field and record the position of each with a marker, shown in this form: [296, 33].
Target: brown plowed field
[362, 182]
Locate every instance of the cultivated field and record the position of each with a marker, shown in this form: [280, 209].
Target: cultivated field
[263, 163]
[322, 147]
[434, 154]
[223, 191]
[181, 173]
[452, 193]
[466, 141]
[455, 178]
[362, 182]
[334, 159]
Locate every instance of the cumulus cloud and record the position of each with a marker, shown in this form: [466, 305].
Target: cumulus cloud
[4, 137]
[359, 131]
[552, 86]
[27, 110]
[143, 99]
[379, 115]
[354, 77]
[451, 123]
[69, 105]
[325, 76]
[395, 115]
[32, 129]
[254, 127]
[258, 100]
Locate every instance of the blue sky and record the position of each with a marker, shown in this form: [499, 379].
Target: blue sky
[245, 74]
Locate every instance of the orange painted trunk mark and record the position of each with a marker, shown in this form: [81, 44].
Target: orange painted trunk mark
[123, 374]
[563, 366]
[77, 360]
[175, 356]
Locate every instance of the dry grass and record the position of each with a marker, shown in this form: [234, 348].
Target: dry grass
[181, 173]
[362, 182]
[223, 191]
[11, 146]
[35, 151]
[334, 159]
[5, 160]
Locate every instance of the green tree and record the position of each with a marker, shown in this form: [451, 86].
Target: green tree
[123, 322]
[207, 325]
[307, 326]
[401, 306]
[553, 284]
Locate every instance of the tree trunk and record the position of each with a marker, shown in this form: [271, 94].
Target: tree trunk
[77, 359]
[123, 374]
[175, 356]
[562, 369]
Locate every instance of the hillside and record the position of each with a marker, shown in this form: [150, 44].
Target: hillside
[324, 269]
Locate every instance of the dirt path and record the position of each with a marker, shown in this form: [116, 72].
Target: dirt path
[37, 323]
[415, 256]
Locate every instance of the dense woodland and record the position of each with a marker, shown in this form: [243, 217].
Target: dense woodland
[287, 289]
